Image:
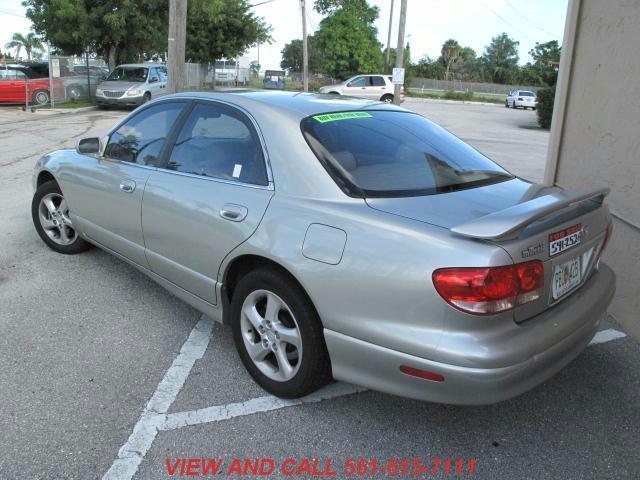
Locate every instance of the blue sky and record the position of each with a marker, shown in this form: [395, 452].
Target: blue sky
[429, 23]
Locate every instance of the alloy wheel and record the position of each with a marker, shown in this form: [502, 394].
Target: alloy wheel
[271, 335]
[53, 214]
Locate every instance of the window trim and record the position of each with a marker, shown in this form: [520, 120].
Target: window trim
[251, 124]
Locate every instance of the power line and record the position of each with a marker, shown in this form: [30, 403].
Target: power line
[530, 21]
[7, 12]
[503, 19]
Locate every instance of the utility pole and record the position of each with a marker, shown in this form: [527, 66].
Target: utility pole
[400, 48]
[387, 62]
[177, 40]
[305, 53]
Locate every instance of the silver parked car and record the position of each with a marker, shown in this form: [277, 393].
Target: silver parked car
[340, 238]
[521, 98]
[373, 87]
[132, 85]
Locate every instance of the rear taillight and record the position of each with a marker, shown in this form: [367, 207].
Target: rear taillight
[488, 290]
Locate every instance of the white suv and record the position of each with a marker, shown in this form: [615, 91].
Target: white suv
[374, 87]
[521, 98]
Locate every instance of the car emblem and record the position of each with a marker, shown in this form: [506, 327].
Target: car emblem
[532, 250]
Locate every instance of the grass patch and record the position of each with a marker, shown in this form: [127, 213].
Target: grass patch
[67, 105]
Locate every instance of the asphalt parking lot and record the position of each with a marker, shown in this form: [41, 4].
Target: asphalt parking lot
[104, 372]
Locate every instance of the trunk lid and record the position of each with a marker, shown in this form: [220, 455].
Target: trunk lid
[564, 229]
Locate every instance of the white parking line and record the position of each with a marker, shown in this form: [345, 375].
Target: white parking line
[606, 336]
[155, 417]
[255, 405]
[145, 431]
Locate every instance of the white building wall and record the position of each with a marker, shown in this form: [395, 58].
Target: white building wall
[595, 138]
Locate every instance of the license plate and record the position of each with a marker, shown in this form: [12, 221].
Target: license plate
[564, 239]
[566, 276]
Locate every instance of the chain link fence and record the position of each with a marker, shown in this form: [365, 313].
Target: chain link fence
[427, 84]
[75, 79]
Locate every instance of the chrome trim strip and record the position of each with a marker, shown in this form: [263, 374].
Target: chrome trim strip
[217, 180]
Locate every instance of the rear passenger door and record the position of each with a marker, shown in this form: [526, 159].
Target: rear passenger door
[207, 198]
[378, 87]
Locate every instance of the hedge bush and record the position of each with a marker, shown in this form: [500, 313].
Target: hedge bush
[453, 95]
[546, 96]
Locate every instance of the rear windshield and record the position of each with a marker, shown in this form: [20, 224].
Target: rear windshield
[129, 74]
[527, 94]
[395, 154]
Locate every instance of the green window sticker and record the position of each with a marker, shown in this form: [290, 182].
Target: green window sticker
[334, 117]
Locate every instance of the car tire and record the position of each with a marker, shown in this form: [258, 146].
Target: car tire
[51, 220]
[292, 317]
[387, 98]
[146, 97]
[506, 104]
[40, 97]
[75, 92]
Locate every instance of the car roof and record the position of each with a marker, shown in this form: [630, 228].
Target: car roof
[297, 104]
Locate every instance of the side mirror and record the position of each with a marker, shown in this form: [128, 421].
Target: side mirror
[349, 84]
[88, 146]
[154, 80]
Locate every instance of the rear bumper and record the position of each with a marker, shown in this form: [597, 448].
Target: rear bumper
[377, 367]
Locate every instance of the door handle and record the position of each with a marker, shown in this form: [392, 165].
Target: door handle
[233, 212]
[127, 186]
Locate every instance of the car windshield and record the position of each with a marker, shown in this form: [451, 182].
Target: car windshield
[527, 94]
[395, 154]
[129, 74]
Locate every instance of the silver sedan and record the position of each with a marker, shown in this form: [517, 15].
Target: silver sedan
[340, 238]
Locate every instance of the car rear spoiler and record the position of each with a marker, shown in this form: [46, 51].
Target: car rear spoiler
[511, 221]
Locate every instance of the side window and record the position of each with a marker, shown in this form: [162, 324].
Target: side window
[140, 140]
[377, 82]
[163, 74]
[154, 75]
[218, 142]
[10, 74]
[360, 82]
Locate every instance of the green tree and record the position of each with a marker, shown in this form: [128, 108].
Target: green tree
[292, 55]
[29, 42]
[121, 30]
[254, 68]
[450, 52]
[428, 68]
[500, 59]
[348, 39]
[222, 29]
[544, 68]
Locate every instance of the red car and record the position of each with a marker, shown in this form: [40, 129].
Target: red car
[19, 81]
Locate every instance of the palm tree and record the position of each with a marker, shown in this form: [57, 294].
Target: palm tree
[450, 52]
[28, 42]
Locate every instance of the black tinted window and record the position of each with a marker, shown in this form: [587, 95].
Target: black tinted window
[377, 81]
[141, 139]
[383, 153]
[527, 94]
[217, 142]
